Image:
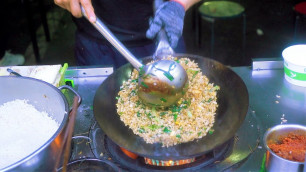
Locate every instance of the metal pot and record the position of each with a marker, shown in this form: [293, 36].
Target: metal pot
[275, 162]
[44, 97]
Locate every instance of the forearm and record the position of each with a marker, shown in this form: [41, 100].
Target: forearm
[187, 3]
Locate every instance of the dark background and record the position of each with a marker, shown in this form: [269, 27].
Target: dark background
[275, 18]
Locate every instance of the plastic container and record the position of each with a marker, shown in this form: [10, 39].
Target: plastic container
[295, 64]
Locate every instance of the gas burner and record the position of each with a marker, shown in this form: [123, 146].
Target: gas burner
[139, 164]
[229, 155]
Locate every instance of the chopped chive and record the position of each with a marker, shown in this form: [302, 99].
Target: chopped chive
[153, 127]
[149, 115]
[177, 61]
[199, 133]
[175, 116]
[187, 102]
[184, 106]
[144, 85]
[141, 130]
[190, 70]
[138, 114]
[186, 61]
[141, 71]
[209, 100]
[169, 76]
[117, 97]
[211, 131]
[167, 130]
[162, 113]
[137, 103]
[194, 74]
[146, 76]
[178, 136]
[135, 80]
[163, 99]
[175, 108]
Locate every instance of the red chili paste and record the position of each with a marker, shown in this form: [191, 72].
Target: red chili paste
[292, 147]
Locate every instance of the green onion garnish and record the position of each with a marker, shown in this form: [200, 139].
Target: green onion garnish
[175, 116]
[141, 130]
[169, 76]
[162, 113]
[153, 127]
[166, 130]
[149, 115]
[144, 85]
[194, 74]
[163, 99]
[141, 71]
[137, 103]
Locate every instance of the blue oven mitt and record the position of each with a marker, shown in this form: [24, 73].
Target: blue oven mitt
[170, 16]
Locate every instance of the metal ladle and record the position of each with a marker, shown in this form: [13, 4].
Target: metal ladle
[161, 83]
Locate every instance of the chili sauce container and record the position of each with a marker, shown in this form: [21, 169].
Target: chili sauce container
[273, 135]
[295, 64]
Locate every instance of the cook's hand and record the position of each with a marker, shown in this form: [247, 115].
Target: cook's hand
[170, 16]
[73, 6]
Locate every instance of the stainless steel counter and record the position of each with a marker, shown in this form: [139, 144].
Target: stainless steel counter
[272, 100]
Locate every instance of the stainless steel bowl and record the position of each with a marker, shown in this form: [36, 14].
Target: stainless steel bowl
[275, 162]
[44, 97]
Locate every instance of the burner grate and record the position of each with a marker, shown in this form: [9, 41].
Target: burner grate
[139, 164]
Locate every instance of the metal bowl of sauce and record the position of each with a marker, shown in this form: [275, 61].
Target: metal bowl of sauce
[285, 145]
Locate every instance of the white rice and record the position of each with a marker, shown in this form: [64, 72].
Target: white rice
[23, 129]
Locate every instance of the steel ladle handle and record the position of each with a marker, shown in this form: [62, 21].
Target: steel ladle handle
[101, 27]
[163, 47]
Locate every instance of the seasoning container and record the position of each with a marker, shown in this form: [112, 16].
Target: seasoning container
[273, 135]
[295, 64]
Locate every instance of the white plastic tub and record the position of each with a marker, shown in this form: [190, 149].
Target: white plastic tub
[295, 64]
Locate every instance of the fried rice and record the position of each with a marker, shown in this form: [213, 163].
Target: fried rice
[191, 118]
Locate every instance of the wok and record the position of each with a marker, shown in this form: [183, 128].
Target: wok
[232, 98]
